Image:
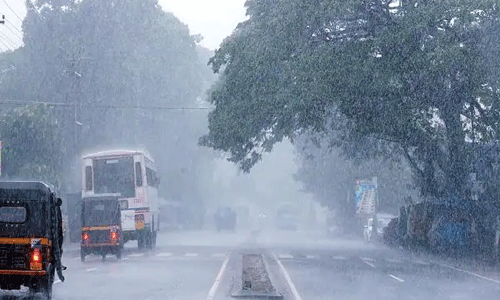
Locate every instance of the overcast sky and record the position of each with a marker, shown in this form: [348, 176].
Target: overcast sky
[213, 19]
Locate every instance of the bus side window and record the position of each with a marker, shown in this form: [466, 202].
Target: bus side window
[88, 178]
[138, 174]
[151, 177]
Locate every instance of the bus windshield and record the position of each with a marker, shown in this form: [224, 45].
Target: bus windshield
[114, 176]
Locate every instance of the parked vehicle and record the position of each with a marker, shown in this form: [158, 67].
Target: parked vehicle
[382, 222]
[101, 227]
[31, 237]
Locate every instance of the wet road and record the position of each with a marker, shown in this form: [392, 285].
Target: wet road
[303, 266]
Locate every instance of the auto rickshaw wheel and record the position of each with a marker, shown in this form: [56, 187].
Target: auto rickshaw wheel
[82, 255]
[47, 285]
[119, 253]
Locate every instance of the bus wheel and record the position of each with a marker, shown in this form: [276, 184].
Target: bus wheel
[149, 240]
[154, 238]
[82, 256]
[140, 241]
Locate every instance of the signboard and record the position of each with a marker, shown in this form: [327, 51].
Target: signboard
[365, 196]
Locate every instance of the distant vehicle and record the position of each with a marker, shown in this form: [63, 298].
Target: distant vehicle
[30, 237]
[287, 217]
[101, 227]
[132, 175]
[383, 221]
[225, 219]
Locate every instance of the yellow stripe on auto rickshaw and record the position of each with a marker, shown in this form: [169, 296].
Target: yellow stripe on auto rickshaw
[24, 241]
[96, 228]
[22, 272]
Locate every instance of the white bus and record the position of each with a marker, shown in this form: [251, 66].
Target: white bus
[132, 174]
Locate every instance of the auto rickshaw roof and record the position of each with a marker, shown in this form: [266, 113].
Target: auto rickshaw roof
[25, 185]
[102, 197]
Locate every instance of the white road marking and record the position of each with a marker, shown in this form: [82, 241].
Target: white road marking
[311, 256]
[191, 254]
[219, 255]
[285, 256]
[136, 255]
[57, 281]
[469, 273]
[421, 262]
[289, 281]
[91, 269]
[396, 278]
[213, 290]
[367, 258]
[370, 264]
[166, 254]
[338, 257]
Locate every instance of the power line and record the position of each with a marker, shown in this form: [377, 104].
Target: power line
[12, 25]
[13, 44]
[14, 33]
[61, 104]
[8, 6]
[7, 46]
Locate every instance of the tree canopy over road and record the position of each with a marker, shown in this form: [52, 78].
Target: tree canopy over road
[418, 76]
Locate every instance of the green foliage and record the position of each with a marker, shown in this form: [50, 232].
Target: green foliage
[412, 76]
[33, 147]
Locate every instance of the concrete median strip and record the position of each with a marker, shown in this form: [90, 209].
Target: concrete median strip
[256, 281]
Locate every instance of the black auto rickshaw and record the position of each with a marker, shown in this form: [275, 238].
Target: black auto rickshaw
[30, 237]
[101, 226]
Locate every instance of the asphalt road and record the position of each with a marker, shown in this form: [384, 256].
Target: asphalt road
[302, 266]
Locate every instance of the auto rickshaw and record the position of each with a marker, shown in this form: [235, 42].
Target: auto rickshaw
[101, 226]
[30, 237]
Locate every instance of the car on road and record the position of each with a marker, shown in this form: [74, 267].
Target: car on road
[287, 217]
[225, 219]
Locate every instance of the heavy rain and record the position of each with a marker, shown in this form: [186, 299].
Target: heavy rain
[249, 149]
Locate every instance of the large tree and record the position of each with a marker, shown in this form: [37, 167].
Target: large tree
[122, 74]
[33, 147]
[412, 75]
